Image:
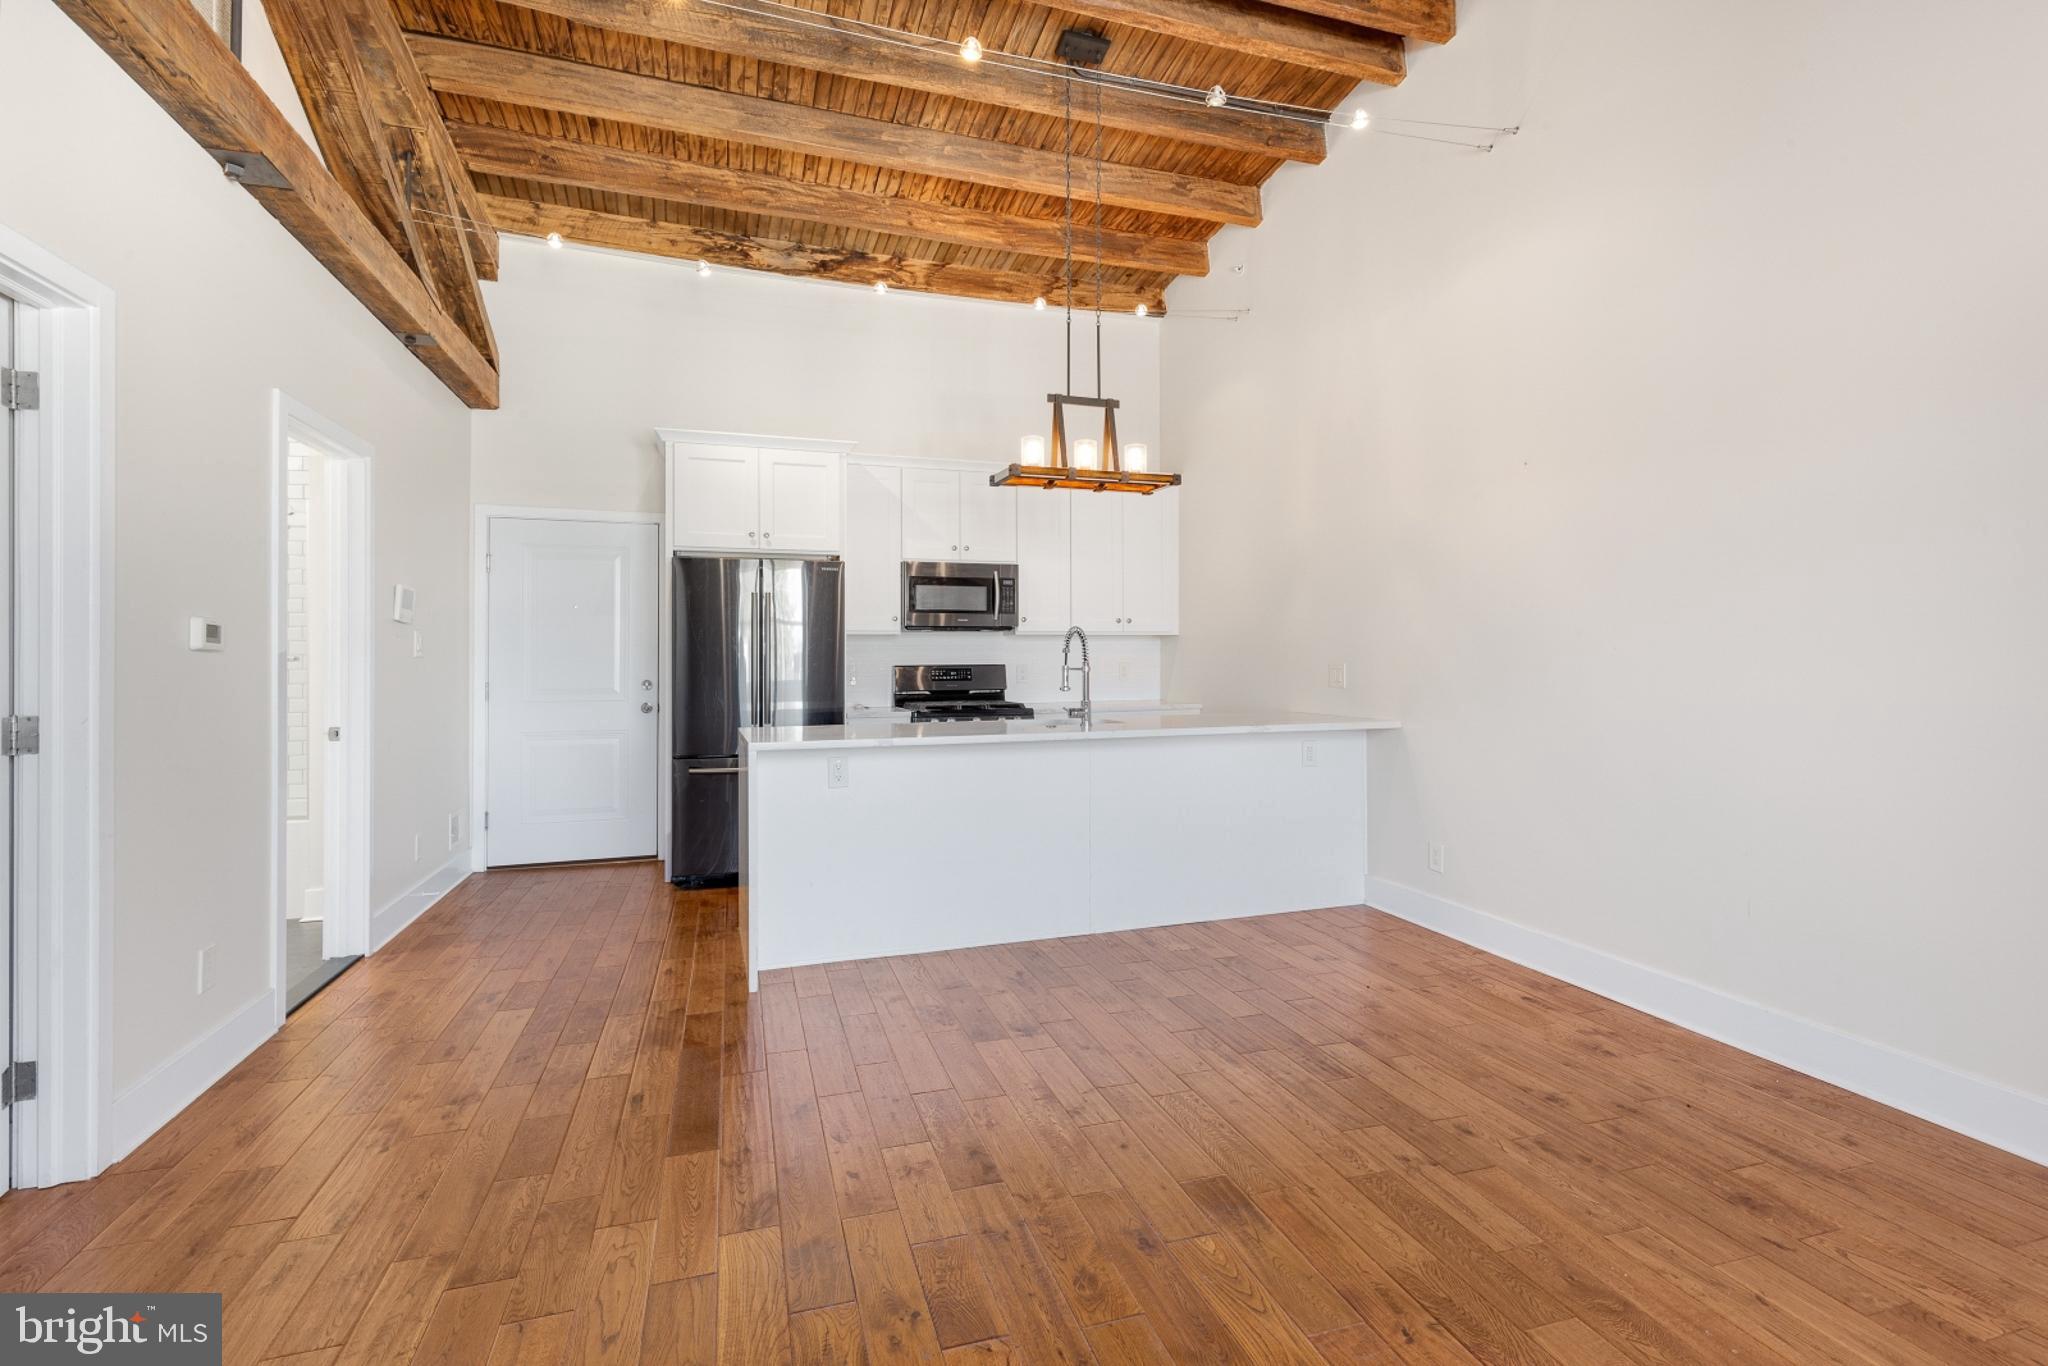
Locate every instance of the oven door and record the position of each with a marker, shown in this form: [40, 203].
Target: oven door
[945, 596]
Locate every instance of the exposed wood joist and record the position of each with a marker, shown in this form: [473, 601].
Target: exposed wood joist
[790, 258]
[380, 124]
[167, 48]
[1433, 21]
[561, 161]
[496, 73]
[830, 49]
[1283, 35]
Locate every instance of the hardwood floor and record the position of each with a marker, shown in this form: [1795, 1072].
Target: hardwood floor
[549, 1125]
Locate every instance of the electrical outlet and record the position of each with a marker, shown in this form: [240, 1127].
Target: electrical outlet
[454, 829]
[835, 771]
[1436, 858]
[1340, 675]
[1120, 670]
[1308, 754]
[203, 977]
[415, 848]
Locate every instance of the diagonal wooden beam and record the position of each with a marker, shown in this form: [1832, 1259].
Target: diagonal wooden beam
[795, 258]
[167, 48]
[831, 45]
[1433, 21]
[497, 73]
[561, 161]
[1282, 35]
[381, 126]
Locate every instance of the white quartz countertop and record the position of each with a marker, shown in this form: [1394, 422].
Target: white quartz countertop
[879, 733]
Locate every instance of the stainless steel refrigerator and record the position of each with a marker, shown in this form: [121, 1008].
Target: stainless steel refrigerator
[758, 642]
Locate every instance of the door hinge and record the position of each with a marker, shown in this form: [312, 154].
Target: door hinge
[20, 389]
[487, 820]
[487, 562]
[21, 735]
[487, 690]
[18, 1082]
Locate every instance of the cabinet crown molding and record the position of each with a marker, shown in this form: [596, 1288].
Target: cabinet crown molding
[684, 436]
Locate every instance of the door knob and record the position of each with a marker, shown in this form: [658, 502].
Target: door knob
[646, 706]
[647, 685]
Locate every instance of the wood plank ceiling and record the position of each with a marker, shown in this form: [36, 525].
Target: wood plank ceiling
[748, 135]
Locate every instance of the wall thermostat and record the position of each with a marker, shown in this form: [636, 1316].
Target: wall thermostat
[401, 603]
[205, 635]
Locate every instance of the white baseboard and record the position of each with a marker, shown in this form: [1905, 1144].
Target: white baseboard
[1984, 1110]
[152, 1102]
[409, 906]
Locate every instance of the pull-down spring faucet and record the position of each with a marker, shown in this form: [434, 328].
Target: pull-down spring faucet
[1086, 711]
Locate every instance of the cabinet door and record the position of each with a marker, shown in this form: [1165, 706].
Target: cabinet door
[714, 497]
[988, 521]
[1151, 564]
[874, 547]
[931, 514]
[799, 501]
[1098, 560]
[1045, 574]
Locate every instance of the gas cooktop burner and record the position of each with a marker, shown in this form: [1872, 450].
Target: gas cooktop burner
[971, 711]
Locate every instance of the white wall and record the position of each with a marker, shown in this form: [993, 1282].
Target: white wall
[600, 348]
[1676, 475]
[217, 306]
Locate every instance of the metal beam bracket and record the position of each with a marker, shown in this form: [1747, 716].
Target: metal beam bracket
[251, 170]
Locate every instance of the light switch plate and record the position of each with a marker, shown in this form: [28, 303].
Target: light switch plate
[403, 600]
[835, 771]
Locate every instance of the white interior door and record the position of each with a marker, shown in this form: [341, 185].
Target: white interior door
[572, 755]
[7, 1032]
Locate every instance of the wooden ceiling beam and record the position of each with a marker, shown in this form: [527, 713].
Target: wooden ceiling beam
[561, 161]
[1432, 21]
[526, 78]
[167, 48]
[794, 258]
[1281, 35]
[382, 126]
[825, 43]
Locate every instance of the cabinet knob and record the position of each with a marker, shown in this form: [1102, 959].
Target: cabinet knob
[967, 547]
[765, 538]
[956, 547]
[750, 535]
[892, 618]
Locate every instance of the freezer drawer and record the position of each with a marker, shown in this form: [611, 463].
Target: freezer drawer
[706, 821]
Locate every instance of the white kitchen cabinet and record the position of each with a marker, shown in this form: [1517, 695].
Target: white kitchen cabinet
[715, 497]
[1126, 563]
[931, 514]
[799, 501]
[733, 497]
[988, 521]
[874, 548]
[1045, 575]
[955, 515]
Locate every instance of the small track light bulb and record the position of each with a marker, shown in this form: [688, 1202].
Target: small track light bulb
[1217, 97]
[703, 268]
[1360, 119]
[970, 50]
[555, 240]
[1039, 303]
[1144, 310]
[881, 286]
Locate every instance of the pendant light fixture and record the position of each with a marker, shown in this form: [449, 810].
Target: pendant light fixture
[1084, 464]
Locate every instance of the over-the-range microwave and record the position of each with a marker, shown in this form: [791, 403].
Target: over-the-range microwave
[946, 595]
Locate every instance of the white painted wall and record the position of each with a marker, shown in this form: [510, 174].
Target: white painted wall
[1676, 475]
[216, 306]
[600, 348]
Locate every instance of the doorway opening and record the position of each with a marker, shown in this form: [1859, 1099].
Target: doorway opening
[322, 917]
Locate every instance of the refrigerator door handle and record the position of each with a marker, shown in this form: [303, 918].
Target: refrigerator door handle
[714, 770]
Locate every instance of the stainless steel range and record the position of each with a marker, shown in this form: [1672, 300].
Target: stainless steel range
[956, 692]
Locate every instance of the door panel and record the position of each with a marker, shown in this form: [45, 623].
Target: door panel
[716, 503]
[799, 501]
[988, 521]
[874, 547]
[931, 515]
[1150, 568]
[571, 760]
[1044, 574]
[1098, 560]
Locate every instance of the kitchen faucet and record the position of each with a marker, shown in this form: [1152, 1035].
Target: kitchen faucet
[1086, 711]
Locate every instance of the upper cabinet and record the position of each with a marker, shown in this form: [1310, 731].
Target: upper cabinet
[754, 497]
[1045, 570]
[1126, 562]
[874, 546]
[955, 515]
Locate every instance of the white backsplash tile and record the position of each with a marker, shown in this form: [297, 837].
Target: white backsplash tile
[1126, 667]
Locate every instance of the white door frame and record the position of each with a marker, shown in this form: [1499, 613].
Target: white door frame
[64, 537]
[480, 653]
[346, 842]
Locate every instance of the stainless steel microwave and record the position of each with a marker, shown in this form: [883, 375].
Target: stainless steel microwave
[945, 595]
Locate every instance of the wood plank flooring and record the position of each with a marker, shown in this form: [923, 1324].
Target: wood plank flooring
[549, 1125]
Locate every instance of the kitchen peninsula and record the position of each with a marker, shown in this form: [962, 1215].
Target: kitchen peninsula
[881, 837]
